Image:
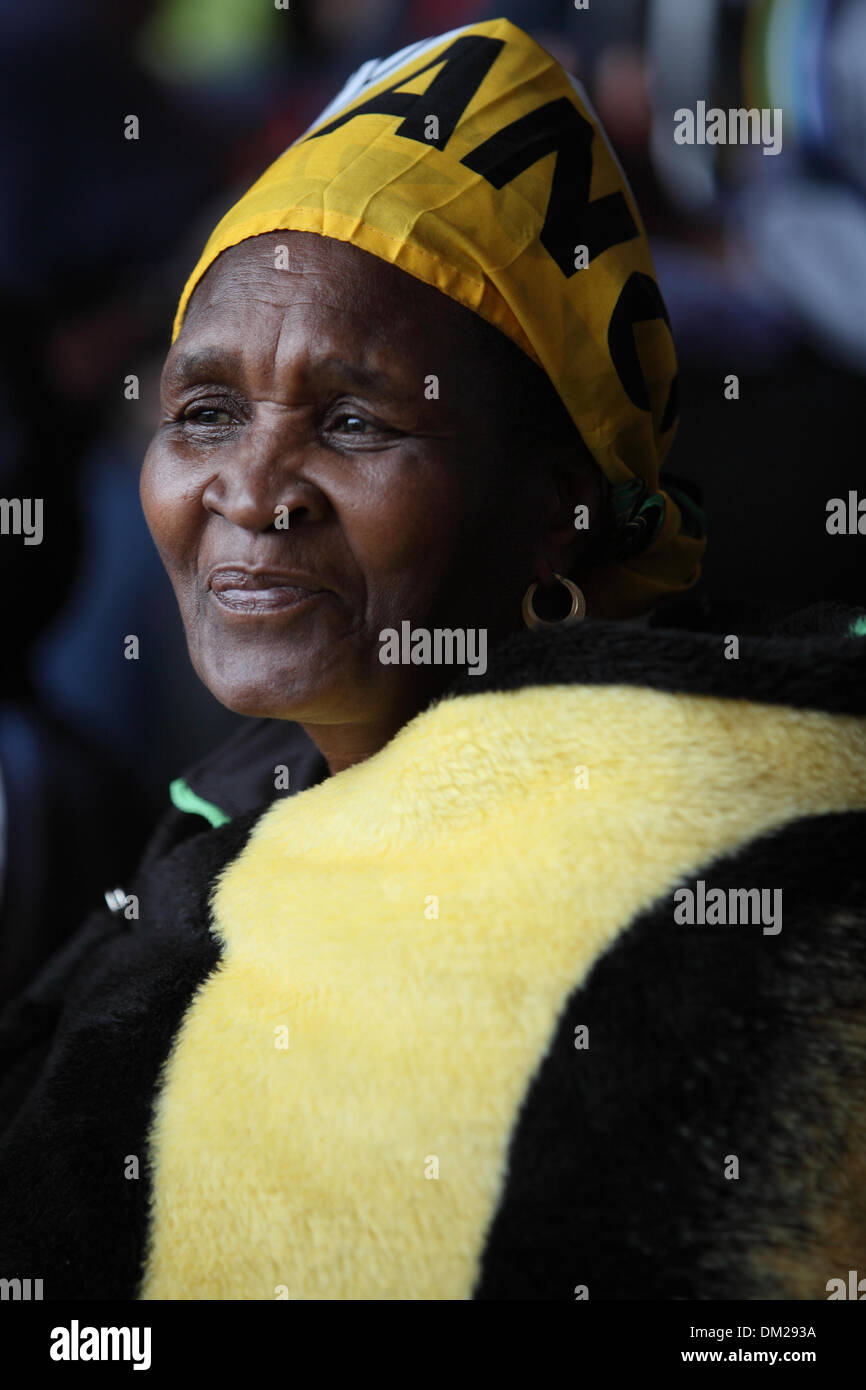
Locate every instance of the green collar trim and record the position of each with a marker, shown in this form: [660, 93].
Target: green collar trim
[185, 799]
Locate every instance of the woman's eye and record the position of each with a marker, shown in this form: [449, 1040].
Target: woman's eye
[209, 415]
[349, 424]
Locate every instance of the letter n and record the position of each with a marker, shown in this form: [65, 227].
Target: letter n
[558, 126]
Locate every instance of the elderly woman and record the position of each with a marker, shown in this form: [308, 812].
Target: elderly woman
[514, 948]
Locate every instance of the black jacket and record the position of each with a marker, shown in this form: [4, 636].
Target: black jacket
[444, 1028]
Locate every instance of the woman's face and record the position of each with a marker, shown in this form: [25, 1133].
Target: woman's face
[330, 462]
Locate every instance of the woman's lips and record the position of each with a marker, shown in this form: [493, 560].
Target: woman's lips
[251, 591]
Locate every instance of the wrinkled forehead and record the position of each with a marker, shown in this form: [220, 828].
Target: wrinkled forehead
[304, 292]
[285, 270]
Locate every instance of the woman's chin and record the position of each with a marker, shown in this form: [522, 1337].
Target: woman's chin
[262, 698]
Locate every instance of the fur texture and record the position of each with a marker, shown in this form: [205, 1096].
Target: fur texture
[705, 1043]
[410, 1039]
[80, 1055]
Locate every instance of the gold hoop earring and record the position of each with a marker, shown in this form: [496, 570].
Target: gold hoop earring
[578, 606]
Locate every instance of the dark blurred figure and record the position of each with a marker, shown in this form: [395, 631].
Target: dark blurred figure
[83, 221]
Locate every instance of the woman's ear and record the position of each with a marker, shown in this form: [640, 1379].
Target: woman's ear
[574, 513]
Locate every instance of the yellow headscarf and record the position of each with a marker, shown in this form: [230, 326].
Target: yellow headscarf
[474, 162]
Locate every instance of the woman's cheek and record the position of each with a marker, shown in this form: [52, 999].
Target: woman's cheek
[171, 501]
[413, 509]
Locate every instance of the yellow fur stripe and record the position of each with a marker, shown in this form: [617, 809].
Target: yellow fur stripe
[306, 1170]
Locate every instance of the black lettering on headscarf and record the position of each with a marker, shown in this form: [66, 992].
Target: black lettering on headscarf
[571, 218]
[640, 301]
[556, 127]
[466, 63]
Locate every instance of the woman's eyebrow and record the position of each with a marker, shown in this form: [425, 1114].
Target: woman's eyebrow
[205, 364]
[377, 379]
[364, 376]
[210, 364]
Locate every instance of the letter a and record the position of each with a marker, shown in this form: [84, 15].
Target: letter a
[684, 130]
[389, 652]
[59, 1350]
[684, 914]
[463, 66]
[837, 521]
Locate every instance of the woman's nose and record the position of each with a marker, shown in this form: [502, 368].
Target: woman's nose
[262, 484]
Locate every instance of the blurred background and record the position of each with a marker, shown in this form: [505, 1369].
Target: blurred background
[762, 261]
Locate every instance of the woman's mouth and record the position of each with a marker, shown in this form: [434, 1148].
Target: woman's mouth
[261, 591]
